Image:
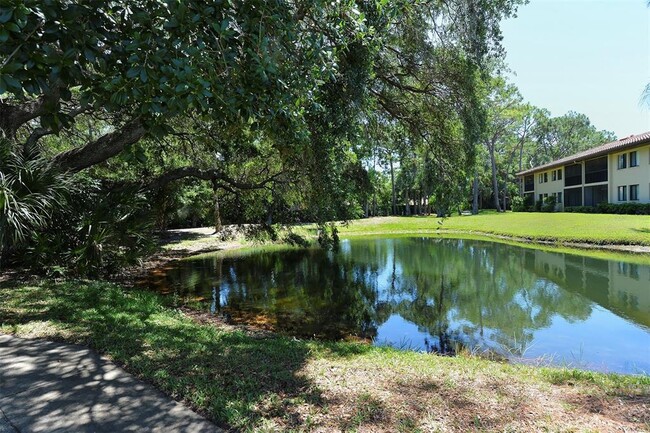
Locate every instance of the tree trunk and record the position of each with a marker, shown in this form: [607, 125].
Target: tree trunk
[392, 185]
[408, 202]
[374, 203]
[217, 212]
[475, 194]
[495, 181]
[505, 191]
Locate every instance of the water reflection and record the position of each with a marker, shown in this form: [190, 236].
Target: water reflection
[436, 295]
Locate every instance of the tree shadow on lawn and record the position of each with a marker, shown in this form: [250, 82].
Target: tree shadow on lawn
[231, 377]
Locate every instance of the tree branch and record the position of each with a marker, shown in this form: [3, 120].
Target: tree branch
[12, 117]
[214, 175]
[101, 149]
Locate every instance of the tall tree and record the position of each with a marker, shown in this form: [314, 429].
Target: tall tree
[557, 137]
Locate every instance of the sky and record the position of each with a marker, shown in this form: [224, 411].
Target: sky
[589, 56]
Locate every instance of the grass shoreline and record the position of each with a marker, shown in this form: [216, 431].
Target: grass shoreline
[581, 230]
[264, 382]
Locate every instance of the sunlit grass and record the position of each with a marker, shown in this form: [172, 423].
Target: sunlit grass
[562, 227]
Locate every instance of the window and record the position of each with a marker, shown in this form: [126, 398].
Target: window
[594, 195]
[634, 161]
[541, 178]
[529, 183]
[545, 177]
[596, 170]
[554, 175]
[622, 161]
[573, 197]
[541, 198]
[622, 193]
[573, 175]
[559, 197]
[559, 174]
[634, 192]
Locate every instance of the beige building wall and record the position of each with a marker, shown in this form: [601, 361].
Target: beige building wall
[551, 187]
[639, 175]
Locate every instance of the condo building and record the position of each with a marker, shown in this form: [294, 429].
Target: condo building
[616, 172]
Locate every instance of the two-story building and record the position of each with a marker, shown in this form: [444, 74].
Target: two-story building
[616, 172]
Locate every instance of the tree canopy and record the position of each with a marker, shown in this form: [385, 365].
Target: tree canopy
[276, 104]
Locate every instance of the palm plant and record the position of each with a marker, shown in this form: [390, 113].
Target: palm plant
[30, 189]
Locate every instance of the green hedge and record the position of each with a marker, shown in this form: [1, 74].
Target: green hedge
[613, 208]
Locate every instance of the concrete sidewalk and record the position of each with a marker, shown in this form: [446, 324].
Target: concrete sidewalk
[54, 387]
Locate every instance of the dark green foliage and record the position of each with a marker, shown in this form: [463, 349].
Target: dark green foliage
[94, 232]
[549, 204]
[328, 236]
[522, 204]
[30, 192]
[185, 204]
[295, 239]
[234, 94]
[613, 208]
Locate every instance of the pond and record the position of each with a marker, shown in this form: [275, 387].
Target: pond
[436, 295]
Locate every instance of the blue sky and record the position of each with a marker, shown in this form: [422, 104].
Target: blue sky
[588, 56]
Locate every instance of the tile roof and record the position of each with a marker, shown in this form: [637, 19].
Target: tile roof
[623, 143]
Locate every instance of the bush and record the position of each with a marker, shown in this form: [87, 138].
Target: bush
[624, 208]
[549, 204]
[613, 208]
[518, 204]
[94, 232]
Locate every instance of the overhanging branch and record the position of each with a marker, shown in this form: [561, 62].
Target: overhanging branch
[213, 175]
[101, 149]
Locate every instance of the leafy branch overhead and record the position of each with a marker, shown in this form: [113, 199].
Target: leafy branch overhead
[263, 105]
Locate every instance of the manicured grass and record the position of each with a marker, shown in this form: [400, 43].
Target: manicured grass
[262, 382]
[556, 227]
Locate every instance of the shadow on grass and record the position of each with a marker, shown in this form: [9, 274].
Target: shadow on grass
[231, 377]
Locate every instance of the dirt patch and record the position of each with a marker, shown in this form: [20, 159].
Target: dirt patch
[450, 400]
[633, 409]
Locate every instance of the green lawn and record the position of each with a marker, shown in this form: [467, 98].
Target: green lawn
[249, 381]
[559, 227]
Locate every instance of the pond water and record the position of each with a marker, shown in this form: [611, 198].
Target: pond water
[437, 295]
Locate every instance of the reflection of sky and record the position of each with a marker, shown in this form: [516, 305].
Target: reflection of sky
[399, 333]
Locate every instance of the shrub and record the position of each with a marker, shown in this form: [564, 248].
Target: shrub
[613, 208]
[93, 232]
[549, 204]
[518, 204]
[624, 208]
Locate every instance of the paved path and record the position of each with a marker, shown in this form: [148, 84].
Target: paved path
[54, 387]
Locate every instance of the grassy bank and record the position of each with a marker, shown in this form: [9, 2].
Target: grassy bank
[259, 382]
[555, 227]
